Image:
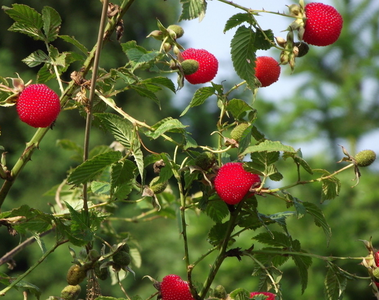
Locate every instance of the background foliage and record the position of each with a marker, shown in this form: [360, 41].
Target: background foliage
[336, 104]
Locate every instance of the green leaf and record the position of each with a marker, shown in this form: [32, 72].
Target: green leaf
[165, 125]
[217, 233]
[36, 58]
[264, 40]
[144, 92]
[100, 187]
[120, 128]
[298, 159]
[139, 56]
[163, 81]
[199, 97]
[275, 238]
[51, 23]
[91, 168]
[76, 43]
[80, 232]
[192, 9]
[238, 108]
[240, 294]
[27, 21]
[335, 282]
[217, 210]
[263, 164]
[243, 55]
[319, 219]
[302, 263]
[269, 146]
[238, 19]
[29, 288]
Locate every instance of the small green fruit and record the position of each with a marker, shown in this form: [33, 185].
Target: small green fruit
[219, 292]
[190, 66]
[101, 273]
[122, 258]
[71, 292]
[178, 30]
[237, 131]
[157, 187]
[365, 158]
[205, 160]
[75, 275]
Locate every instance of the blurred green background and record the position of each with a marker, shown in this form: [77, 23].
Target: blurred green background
[337, 104]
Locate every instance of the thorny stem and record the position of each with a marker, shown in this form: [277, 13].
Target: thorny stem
[22, 276]
[91, 95]
[306, 182]
[40, 133]
[221, 255]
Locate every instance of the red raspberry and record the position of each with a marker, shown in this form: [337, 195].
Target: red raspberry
[267, 70]
[208, 65]
[38, 105]
[323, 24]
[174, 288]
[270, 296]
[376, 257]
[232, 182]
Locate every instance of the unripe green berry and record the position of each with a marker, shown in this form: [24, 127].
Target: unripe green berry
[237, 131]
[157, 34]
[101, 273]
[375, 272]
[75, 275]
[219, 292]
[205, 160]
[178, 30]
[157, 187]
[122, 258]
[365, 158]
[190, 66]
[71, 292]
[167, 47]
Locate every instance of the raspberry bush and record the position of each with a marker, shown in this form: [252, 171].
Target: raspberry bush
[233, 179]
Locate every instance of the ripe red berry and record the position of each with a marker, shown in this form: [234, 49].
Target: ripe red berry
[267, 70]
[174, 288]
[208, 65]
[270, 296]
[323, 24]
[232, 182]
[376, 257]
[38, 105]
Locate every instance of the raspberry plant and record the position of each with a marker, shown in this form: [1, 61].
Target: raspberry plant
[115, 176]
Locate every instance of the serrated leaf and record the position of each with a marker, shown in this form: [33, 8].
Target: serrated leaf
[275, 238]
[243, 55]
[238, 19]
[217, 210]
[144, 92]
[302, 263]
[269, 146]
[51, 23]
[29, 288]
[91, 168]
[165, 125]
[79, 227]
[118, 126]
[192, 9]
[36, 58]
[263, 164]
[199, 97]
[217, 233]
[27, 20]
[240, 294]
[319, 219]
[264, 40]
[330, 188]
[137, 55]
[238, 108]
[163, 81]
[76, 43]
[100, 188]
[335, 283]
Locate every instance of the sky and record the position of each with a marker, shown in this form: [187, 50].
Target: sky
[218, 43]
